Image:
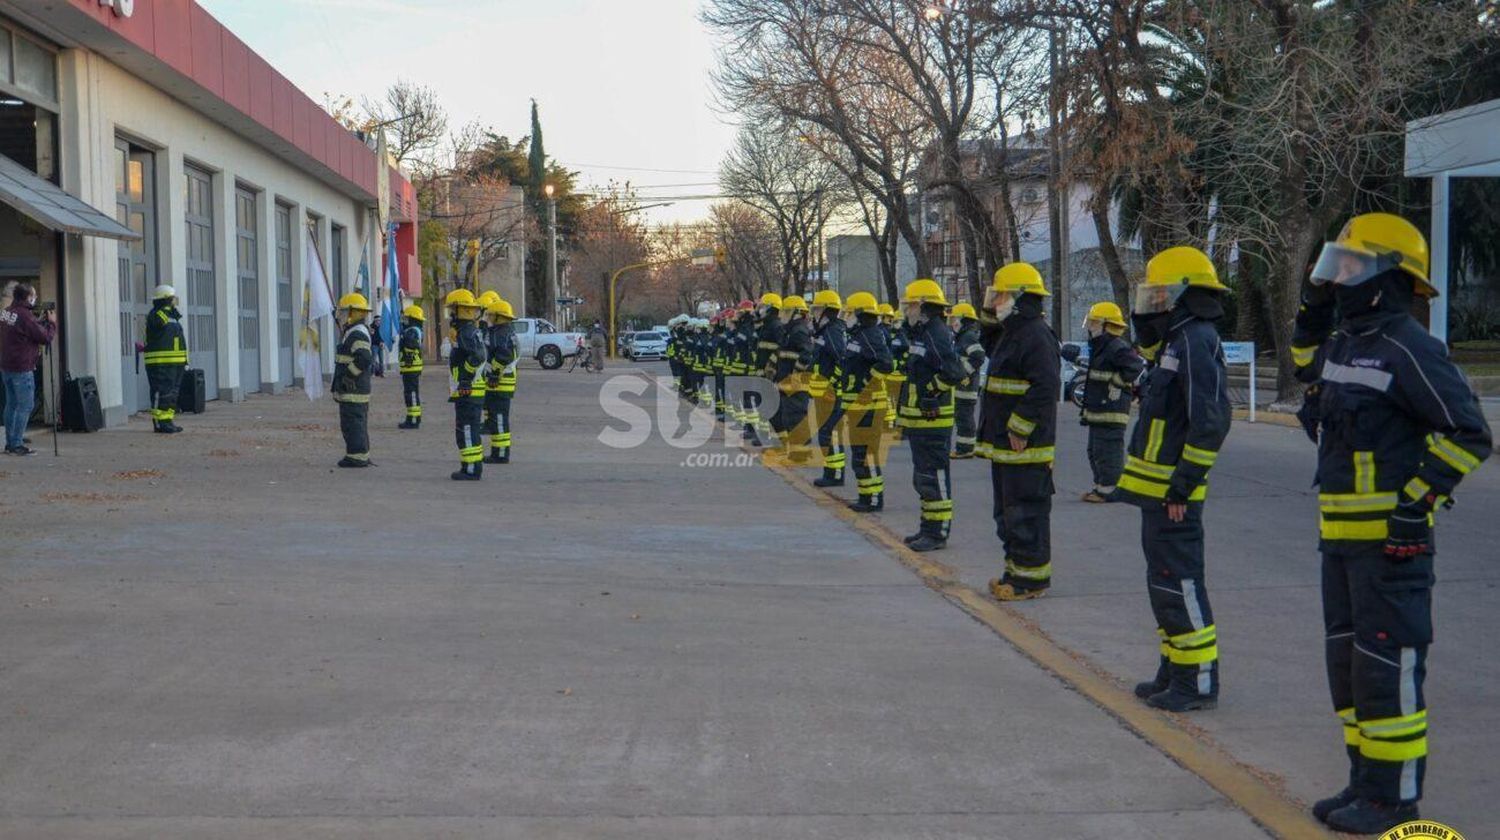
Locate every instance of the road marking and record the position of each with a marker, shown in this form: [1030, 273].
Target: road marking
[1172, 735]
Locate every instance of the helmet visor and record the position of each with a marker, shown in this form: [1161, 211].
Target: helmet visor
[1154, 300]
[1344, 266]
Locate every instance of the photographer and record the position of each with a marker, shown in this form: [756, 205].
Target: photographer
[22, 337]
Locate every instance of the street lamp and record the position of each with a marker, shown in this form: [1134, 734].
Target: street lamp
[551, 252]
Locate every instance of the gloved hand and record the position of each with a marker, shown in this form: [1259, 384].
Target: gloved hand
[1309, 414]
[931, 407]
[1409, 532]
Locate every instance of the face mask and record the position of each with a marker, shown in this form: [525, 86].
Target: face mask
[1004, 308]
[1095, 330]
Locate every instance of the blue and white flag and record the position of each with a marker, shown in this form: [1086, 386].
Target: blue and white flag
[390, 322]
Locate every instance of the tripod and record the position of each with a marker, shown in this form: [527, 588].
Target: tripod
[52, 396]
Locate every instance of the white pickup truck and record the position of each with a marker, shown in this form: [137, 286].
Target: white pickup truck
[538, 339]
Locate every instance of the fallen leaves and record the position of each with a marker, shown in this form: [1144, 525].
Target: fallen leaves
[97, 498]
[223, 453]
[137, 475]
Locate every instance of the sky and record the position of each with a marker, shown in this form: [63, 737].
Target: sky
[624, 86]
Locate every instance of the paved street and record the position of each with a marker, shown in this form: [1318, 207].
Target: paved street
[219, 635]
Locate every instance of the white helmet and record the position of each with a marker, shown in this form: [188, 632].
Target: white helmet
[163, 291]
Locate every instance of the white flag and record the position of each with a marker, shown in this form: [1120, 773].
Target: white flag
[317, 303]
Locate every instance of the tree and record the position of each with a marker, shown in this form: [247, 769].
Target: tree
[608, 236]
[750, 254]
[796, 189]
[416, 123]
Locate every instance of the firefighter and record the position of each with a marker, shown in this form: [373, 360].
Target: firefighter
[1399, 429]
[794, 358]
[742, 362]
[1018, 427]
[674, 353]
[410, 360]
[829, 345]
[466, 369]
[500, 383]
[1184, 419]
[1114, 367]
[763, 360]
[863, 397]
[925, 411]
[353, 361]
[166, 358]
[965, 324]
[896, 339]
[703, 361]
[720, 333]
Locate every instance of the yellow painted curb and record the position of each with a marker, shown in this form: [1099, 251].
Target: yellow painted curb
[1243, 785]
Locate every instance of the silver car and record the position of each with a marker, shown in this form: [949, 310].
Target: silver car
[646, 345]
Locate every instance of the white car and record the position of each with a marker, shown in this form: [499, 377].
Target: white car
[646, 345]
[536, 338]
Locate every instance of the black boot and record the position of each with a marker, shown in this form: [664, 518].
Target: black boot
[927, 542]
[167, 428]
[468, 472]
[1161, 682]
[1179, 701]
[494, 457]
[353, 463]
[830, 478]
[867, 504]
[1323, 807]
[1366, 816]
[407, 424]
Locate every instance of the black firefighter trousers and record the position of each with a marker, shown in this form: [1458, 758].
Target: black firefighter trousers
[1377, 615]
[1023, 522]
[931, 478]
[354, 423]
[1175, 584]
[1106, 455]
[468, 420]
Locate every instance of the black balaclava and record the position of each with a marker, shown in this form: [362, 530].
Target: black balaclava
[936, 311]
[867, 319]
[1201, 303]
[1028, 305]
[1388, 293]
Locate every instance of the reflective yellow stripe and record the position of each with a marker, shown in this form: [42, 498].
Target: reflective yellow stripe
[1101, 375]
[1020, 425]
[1393, 750]
[1117, 417]
[1351, 726]
[1394, 727]
[1014, 569]
[1201, 457]
[1356, 502]
[1006, 455]
[1193, 657]
[167, 357]
[1195, 638]
[1149, 352]
[1364, 472]
[1357, 529]
[1147, 468]
[1156, 489]
[1452, 455]
[1303, 356]
[998, 385]
[1417, 489]
[360, 345]
[1157, 431]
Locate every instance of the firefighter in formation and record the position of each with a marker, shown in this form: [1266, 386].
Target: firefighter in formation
[1113, 368]
[409, 360]
[166, 357]
[500, 380]
[467, 362]
[353, 362]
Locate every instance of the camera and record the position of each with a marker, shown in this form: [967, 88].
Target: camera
[43, 308]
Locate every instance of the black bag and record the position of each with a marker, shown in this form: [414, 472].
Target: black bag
[191, 393]
[81, 411]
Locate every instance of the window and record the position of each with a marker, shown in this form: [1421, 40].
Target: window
[28, 68]
[523, 326]
[338, 269]
[544, 327]
[284, 301]
[248, 258]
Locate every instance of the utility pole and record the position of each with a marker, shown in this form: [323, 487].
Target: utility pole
[551, 254]
[1054, 188]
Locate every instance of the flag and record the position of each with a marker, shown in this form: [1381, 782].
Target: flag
[392, 319]
[364, 267]
[317, 304]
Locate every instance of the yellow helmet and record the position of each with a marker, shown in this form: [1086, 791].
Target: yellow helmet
[963, 310]
[794, 303]
[862, 302]
[1371, 244]
[771, 299]
[459, 297]
[924, 291]
[414, 312]
[828, 298]
[1106, 312]
[886, 311]
[1018, 278]
[1170, 273]
[354, 300]
[501, 308]
[487, 298]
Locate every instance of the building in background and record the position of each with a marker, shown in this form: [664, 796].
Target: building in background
[175, 154]
[854, 265]
[493, 212]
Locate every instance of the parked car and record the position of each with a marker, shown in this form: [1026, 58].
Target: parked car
[538, 339]
[646, 345]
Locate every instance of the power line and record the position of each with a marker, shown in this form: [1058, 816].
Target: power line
[646, 169]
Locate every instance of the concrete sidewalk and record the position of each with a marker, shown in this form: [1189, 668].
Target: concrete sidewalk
[1263, 577]
[217, 634]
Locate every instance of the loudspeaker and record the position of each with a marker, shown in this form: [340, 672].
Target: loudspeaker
[81, 411]
[192, 392]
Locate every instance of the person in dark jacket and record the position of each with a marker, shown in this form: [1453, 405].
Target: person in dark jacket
[166, 358]
[1184, 420]
[22, 337]
[353, 363]
[598, 346]
[829, 343]
[895, 338]
[1113, 368]
[763, 358]
[377, 347]
[1399, 428]
[965, 323]
[500, 381]
[1018, 428]
[925, 413]
[794, 359]
[742, 365]
[719, 362]
[466, 369]
[411, 364]
[862, 394]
